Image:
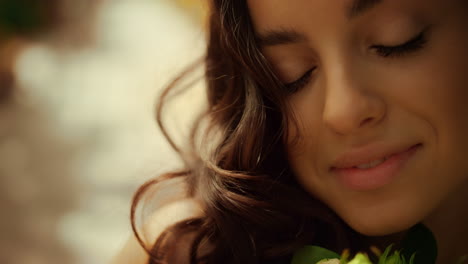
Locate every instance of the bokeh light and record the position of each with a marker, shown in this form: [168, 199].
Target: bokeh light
[78, 86]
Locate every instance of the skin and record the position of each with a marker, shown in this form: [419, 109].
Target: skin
[356, 97]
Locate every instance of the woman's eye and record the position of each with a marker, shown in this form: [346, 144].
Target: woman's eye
[414, 44]
[298, 84]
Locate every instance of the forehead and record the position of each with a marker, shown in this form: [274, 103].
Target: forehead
[322, 17]
[279, 8]
[268, 14]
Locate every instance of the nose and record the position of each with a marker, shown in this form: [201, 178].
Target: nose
[351, 104]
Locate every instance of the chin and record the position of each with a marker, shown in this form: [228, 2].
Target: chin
[381, 226]
[378, 230]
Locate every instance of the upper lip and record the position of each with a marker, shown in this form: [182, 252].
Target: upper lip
[368, 153]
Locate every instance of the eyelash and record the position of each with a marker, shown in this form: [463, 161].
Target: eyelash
[296, 85]
[410, 46]
[416, 43]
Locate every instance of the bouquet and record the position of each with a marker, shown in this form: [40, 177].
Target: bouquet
[418, 247]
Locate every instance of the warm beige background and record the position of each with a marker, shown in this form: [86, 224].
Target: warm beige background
[79, 136]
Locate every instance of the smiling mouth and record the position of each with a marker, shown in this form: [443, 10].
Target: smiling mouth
[368, 157]
[371, 164]
[373, 174]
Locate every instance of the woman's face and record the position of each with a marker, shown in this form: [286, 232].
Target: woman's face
[379, 92]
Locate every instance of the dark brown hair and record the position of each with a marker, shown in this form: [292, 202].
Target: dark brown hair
[254, 210]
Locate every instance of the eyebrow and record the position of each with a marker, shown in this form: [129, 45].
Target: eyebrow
[280, 37]
[358, 7]
[290, 36]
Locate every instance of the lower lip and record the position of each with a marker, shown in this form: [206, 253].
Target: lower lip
[376, 177]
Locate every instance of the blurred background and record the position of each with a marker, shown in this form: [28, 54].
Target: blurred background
[78, 84]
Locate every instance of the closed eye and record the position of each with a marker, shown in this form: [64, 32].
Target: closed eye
[414, 44]
[298, 84]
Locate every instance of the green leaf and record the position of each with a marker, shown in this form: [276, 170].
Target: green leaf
[312, 255]
[384, 256]
[421, 242]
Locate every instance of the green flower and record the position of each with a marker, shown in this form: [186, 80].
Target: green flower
[395, 258]
[360, 259]
[329, 261]
[419, 247]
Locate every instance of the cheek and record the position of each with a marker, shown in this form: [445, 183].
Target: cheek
[305, 142]
[443, 90]
[437, 92]
[449, 95]
[304, 123]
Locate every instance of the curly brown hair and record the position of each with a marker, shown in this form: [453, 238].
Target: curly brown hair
[254, 210]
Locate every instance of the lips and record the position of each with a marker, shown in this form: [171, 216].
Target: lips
[364, 170]
[367, 156]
